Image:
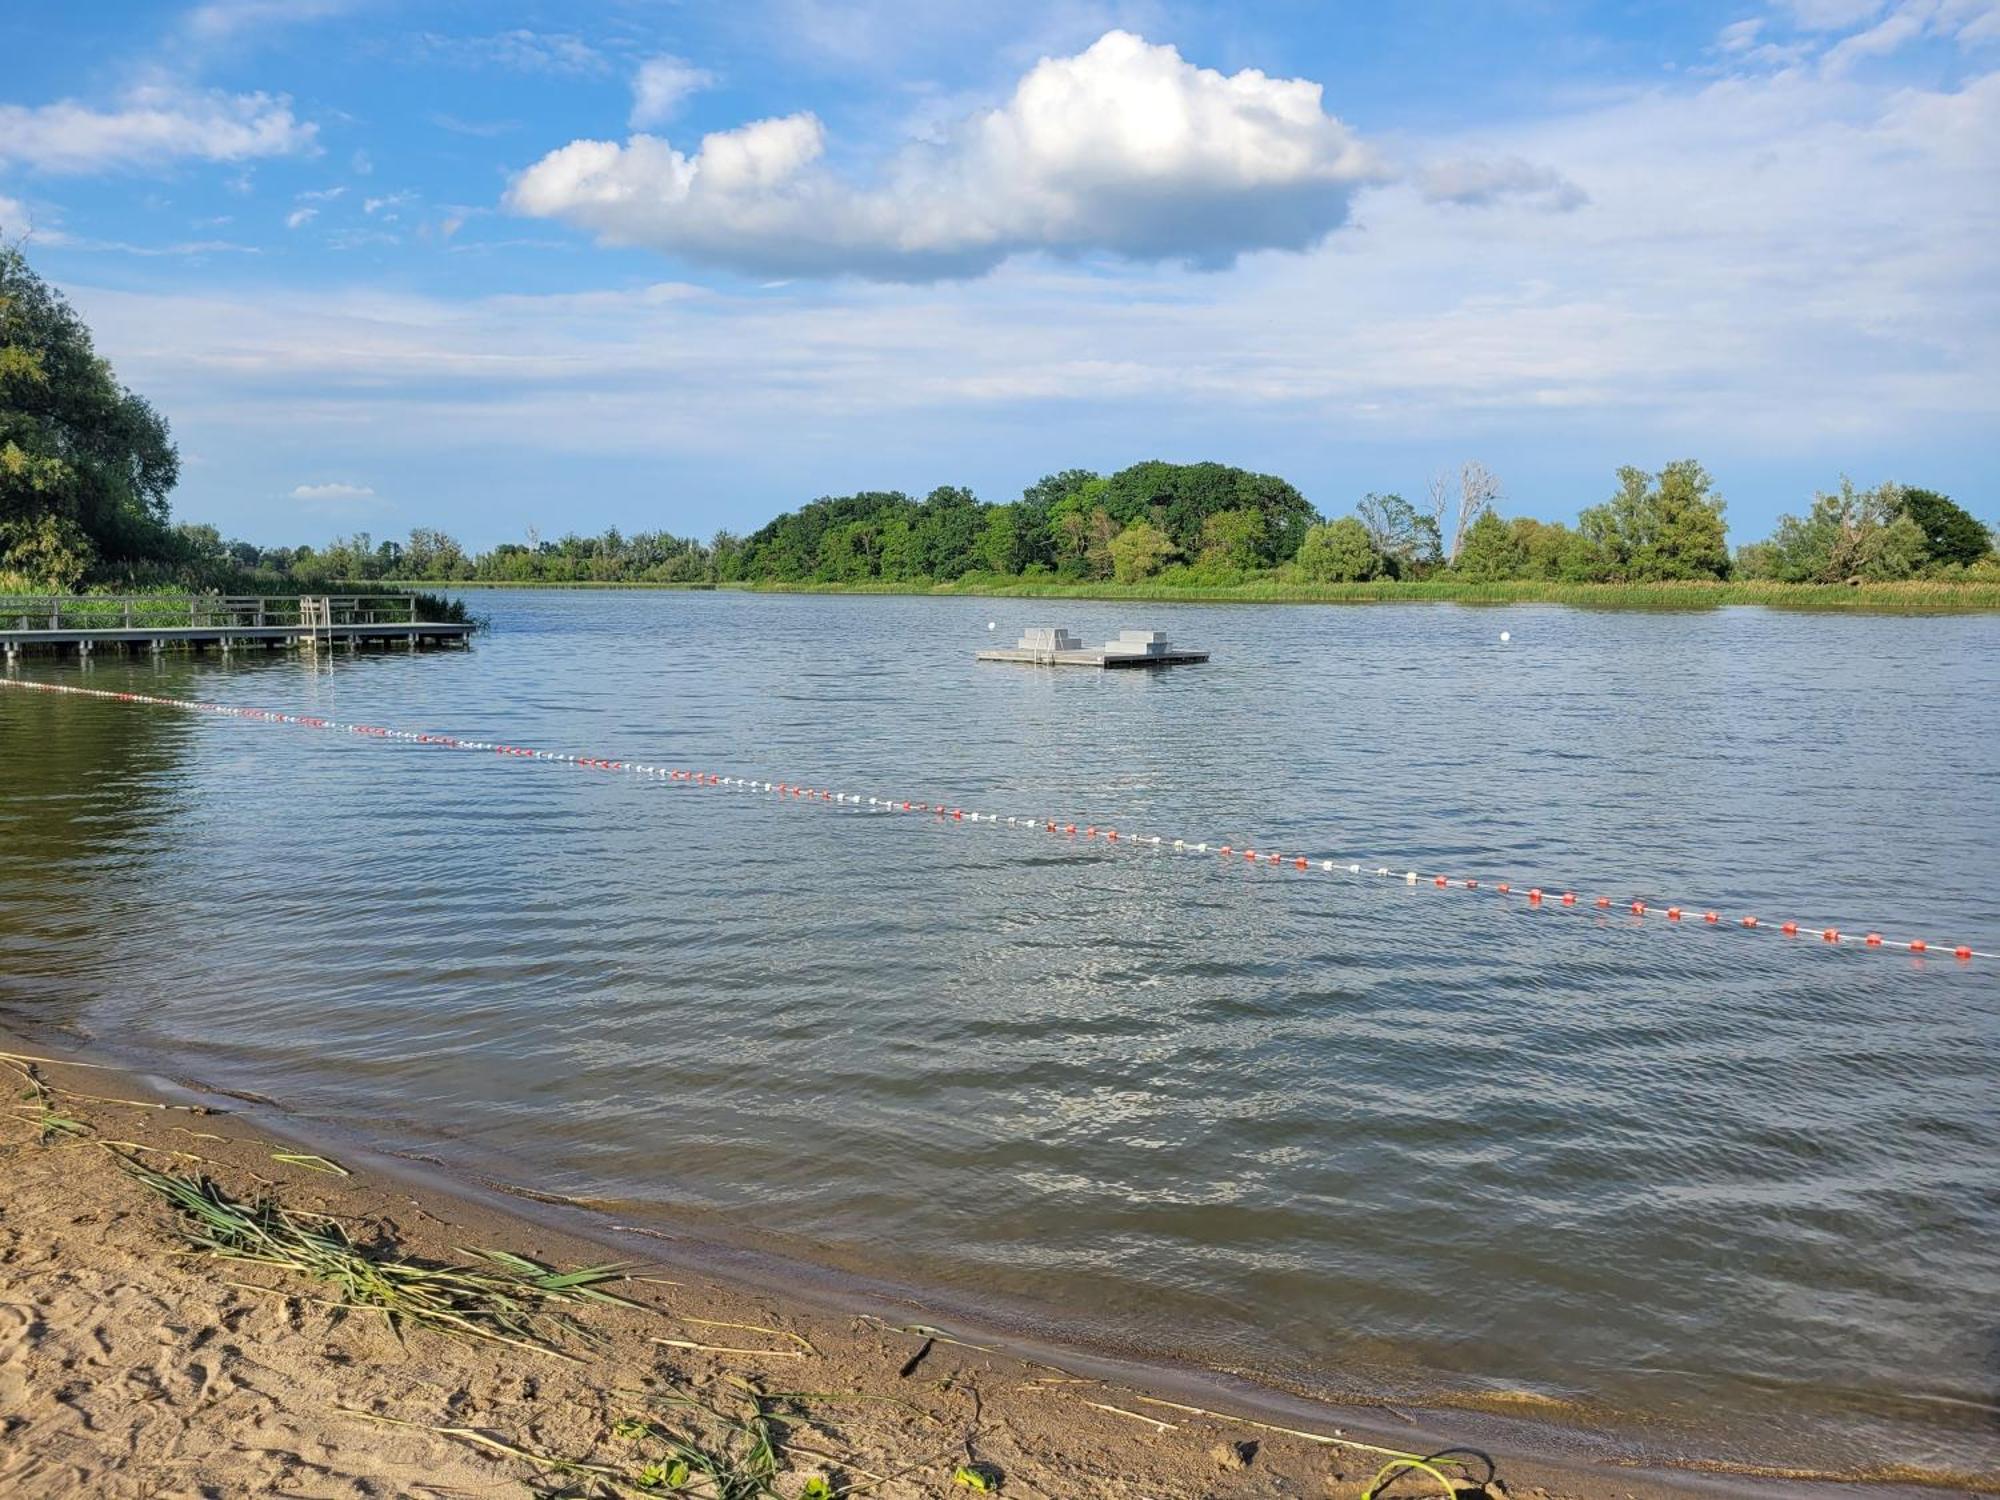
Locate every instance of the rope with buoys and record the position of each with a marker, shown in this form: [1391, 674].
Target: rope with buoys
[1534, 897]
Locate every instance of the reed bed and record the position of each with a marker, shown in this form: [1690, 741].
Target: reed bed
[1918, 595]
[1914, 595]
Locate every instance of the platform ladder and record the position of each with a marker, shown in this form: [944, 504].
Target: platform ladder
[315, 618]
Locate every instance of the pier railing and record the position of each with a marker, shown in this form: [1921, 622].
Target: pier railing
[202, 611]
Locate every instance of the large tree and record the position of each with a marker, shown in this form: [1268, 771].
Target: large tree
[1952, 534]
[86, 466]
[1181, 498]
[1658, 527]
[1852, 534]
[1340, 551]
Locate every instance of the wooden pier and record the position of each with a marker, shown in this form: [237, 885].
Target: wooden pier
[154, 622]
[1047, 646]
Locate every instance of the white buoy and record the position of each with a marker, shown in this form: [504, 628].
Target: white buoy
[1505, 637]
[992, 624]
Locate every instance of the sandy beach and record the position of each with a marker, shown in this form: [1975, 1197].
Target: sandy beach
[133, 1363]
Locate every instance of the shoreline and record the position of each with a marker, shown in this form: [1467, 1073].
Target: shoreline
[1058, 1421]
[1915, 596]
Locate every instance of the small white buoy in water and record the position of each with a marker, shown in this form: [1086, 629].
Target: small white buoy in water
[991, 624]
[1505, 638]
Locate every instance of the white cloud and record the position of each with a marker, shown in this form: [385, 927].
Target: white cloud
[153, 124]
[1476, 182]
[1739, 36]
[1124, 149]
[16, 222]
[1829, 15]
[318, 195]
[1841, 34]
[661, 86]
[482, 129]
[298, 218]
[334, 493]
[19, 222]
[225, 20]
[1886, 37]
[386, 204]
[519, 50]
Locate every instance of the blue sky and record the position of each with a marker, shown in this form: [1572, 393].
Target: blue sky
[681, 266]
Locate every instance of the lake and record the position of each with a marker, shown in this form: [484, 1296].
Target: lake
[1724, 1194]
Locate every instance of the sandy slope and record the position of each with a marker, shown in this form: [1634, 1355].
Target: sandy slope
[129, 1367]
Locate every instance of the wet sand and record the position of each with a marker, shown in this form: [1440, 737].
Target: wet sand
[131, 1366]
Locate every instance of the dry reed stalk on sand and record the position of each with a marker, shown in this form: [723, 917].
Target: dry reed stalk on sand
[508, 1300]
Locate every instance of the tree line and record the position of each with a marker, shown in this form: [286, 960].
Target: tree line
[1197, 525]
[87, 468]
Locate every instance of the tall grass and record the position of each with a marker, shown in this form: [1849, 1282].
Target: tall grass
[1918, 594]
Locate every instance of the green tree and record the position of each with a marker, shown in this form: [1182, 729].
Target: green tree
[1180, 499]
[431, 553]
[1234, 539]
[1407, 538]
[1005, 543]
[86, 466]
[1952, 535]
[850, 553]
[1139, 551]
[1490, 550]
[947, 526]
[1755, 561]
[1541, 545]
[1340, 552]
[1852, 534]
[1658, 527]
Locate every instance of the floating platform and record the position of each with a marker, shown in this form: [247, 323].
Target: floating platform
[1052, 646]
[154, 622]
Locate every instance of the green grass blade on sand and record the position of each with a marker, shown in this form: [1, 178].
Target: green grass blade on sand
[509, 1300]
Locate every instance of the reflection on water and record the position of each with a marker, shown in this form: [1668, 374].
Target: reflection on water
[1356, 1137]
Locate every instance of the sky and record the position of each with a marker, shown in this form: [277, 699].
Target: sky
[516, 269]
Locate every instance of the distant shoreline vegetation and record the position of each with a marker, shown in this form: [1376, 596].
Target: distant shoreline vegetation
[1209, 531]
[1911, 595]
[87, 468]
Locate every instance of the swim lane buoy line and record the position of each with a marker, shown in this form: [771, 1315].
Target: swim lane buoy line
[1535, 898]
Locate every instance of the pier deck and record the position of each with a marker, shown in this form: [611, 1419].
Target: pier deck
[155, 622]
